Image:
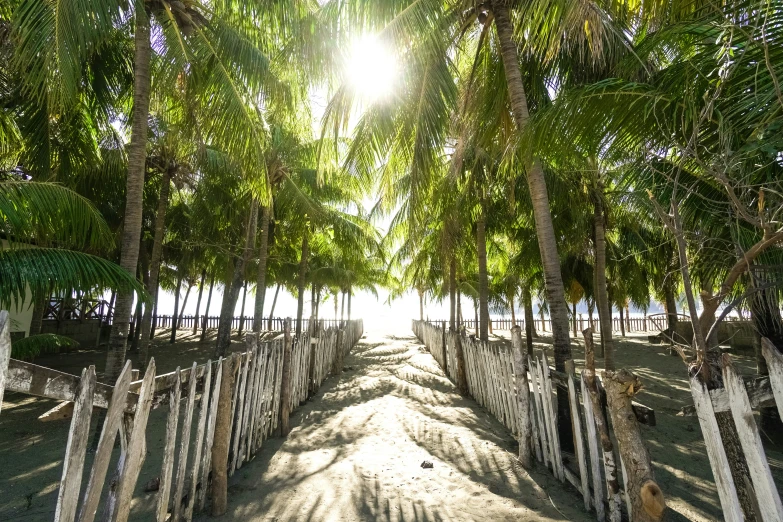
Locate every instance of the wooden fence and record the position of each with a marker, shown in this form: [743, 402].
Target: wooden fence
[494, 383]
[246, 323]
[629, 324]
[268, 381]
[490, 370]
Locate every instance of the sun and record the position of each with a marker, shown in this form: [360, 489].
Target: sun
[372, 68]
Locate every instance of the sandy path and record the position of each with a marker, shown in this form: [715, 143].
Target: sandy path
[355, 453]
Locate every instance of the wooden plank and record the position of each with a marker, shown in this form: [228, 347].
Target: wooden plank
[252, 431]
[210, 436]
[550, 406]
[166, 470]
[775, 366]
[76, 449]
[628, 505]
[111, 426]
[248, 403]
[579, 445]
[5, 351]
[240, 410]
[592, 446]
[31, 379]
[119, 501]
[759, 390]
[716, 453]
[184, 447]
[539, 413]
[202, 424]
[767, 494]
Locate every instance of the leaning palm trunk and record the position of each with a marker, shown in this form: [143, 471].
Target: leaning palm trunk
[301, 283]
[481, 247]
[530, 322]
[134, 191]
[155, 257]
[198, 301]
[263, 254]
[452, 293]
[545, 231]
[274, 302]
[231, 292]
[176, 311]
[205, 320]
[601, 294]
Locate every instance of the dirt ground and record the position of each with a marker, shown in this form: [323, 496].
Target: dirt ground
[356, 449]
[676, 444]
[355, 453]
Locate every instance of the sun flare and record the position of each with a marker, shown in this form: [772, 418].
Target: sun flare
[372, 68]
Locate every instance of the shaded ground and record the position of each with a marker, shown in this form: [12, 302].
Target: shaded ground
[355, 453]
[31, 452]
[676, 444]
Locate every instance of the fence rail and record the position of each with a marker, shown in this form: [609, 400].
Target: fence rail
[495, 380]
[492, 380]
[259, 387]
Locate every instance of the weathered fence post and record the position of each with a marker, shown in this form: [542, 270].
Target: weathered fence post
[523, 397]
[285, 385]
[645, 497]
[610, 468]
[221, 442]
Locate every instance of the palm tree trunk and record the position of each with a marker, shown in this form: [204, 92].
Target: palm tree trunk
[184, 305]
[342, 307]
[481, 247]
[263, 254]
[460, 319]
[154, 314]
[176, 311]
[205, 320]
[198, 301]
[530, 326]
[452, 293]
[350, 293]
[301, 283]
[545, 231]
[134, 191]
[231, 292]
[622, 323]
[513, 312]
[242, 312]
[134, 347]
[573, 316]
[335, 305]
[155, 257]
[601, 294]
[476, 315]
[421, 304]
[274, 302]
[671, 310]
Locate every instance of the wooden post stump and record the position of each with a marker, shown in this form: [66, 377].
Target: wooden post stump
[285, 384]
[645, 497]
[523, 397]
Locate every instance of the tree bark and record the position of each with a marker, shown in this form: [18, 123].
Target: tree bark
[671, 311]
[481, 248]
[263, 255]
[530, 326]
[184, 305]
[285, 381]
[274, 302]
[543, 219]
[174, 317]
[155, 260]
[134, 192]
[513, 312]
[350, 293]
[622, 322]
[205, 320]
[421, 304]
[198, 301]
[134, 347]
[601, 293]
[221, 441]
[342, 307]
[645, 496]
[545, 231]
[452, 293]
[301, 282]
[242, 310]
[231, 292]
